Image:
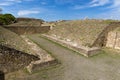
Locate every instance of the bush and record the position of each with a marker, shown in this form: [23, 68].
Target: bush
[2, 21]
[6, 19]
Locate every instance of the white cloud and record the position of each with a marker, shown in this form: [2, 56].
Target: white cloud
[116, 3]
[112, 14]
[95, 3]
[27, 12]
[113, 11]
[14, 1]
[5, 4]
[11, 2]
[112, 8]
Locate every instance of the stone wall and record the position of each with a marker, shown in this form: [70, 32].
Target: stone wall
[12, 60]
[85, 51]
[102, 39]
[113, 40]
[28, 29]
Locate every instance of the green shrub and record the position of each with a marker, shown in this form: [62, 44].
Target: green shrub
[6, 19]
[2, 20]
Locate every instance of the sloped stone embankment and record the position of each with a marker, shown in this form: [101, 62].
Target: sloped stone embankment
[12, 60]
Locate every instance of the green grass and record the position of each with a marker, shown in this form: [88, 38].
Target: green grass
[43, 69]
[107, 52]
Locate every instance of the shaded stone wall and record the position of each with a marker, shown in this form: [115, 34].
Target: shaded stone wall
[12, 60]
[113, 40]
[28, 29]
[103, 37]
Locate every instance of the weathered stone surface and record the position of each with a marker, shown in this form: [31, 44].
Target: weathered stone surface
[28, 29]
[86, 51]
[37, 65]
[12, 60]
[113, 40]
[45, 58]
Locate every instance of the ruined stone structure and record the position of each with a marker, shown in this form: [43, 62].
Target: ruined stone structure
[113, 40]
[28, 26]
[12, 57]
[102, 37]
[105, 36]
[12, 60]
[28, 29]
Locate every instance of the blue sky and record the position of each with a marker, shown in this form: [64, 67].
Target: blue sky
[51, 10]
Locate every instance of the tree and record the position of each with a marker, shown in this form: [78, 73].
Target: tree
[9, 18]
[2, 20]
[6, 19]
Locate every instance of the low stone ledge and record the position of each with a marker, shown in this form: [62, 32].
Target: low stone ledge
[86, 51]
[13, 60]
[37, 65]
[45, 58]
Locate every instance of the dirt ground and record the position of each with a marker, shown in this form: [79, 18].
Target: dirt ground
[104, 66]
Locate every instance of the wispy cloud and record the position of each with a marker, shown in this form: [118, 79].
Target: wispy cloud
[27, 12]
[116, 3]
[111, 14]
[113, 11]
[112, 8]
[95, 3]
[17, 0]
[6, 4]
[11, 2]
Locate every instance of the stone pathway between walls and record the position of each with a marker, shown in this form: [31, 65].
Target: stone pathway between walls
[75, 66]
[45, 57]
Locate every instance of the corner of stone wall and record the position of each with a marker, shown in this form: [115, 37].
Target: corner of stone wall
[37, 65]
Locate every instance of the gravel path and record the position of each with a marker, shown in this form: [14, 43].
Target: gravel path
[75, 66]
